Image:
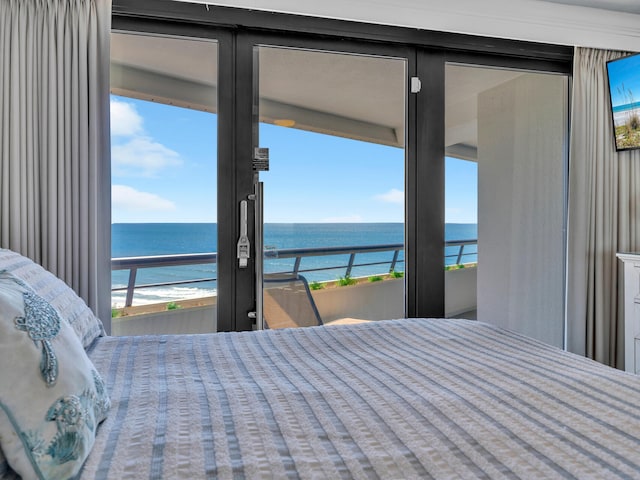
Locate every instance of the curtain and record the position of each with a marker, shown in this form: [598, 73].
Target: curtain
[604, 190]
[54, 140]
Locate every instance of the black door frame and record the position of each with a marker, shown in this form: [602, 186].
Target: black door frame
[226, 164]
[427, 53]
[246, 124]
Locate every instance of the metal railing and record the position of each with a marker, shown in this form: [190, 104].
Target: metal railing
[134, 264]
[460, 254]
[300, 253]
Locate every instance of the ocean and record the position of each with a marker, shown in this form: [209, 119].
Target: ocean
[626, 106]
[142, 239]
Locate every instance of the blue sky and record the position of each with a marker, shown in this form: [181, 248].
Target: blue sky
[164, 170]
[624, 72]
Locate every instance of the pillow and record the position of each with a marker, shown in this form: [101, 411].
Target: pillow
[5, 470]
[4, 466]
[51, 397]
[70, 307]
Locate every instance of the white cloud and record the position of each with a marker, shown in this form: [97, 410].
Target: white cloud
[392, 196]
[125, 120]
[142, 156]
[139, 154]
[345, 219]
[129, 199]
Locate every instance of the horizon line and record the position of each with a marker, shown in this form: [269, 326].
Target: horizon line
[279, 223]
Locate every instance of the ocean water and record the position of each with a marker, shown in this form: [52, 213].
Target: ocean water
[626, 106]
[142, 239]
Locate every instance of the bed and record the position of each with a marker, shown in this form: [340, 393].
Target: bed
[413, 398]
[407, 398]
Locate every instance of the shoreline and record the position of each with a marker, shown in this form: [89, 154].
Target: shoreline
[620, 117]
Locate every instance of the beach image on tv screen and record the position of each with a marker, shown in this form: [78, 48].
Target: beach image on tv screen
[624, 86]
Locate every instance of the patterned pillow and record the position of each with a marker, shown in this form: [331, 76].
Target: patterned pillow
[51, 397]
[70, 307]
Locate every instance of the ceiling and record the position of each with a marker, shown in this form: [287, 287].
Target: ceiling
[353, 96]
[463, 84]
[170, 70]
[624, 6]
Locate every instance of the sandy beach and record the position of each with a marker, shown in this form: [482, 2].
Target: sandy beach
[620, 118]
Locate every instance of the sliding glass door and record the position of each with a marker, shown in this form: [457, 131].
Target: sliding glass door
[184, 213]
[164, 123]
[322, 170]
[331, 128]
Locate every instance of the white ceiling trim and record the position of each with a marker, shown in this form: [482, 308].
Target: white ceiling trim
[530, 20]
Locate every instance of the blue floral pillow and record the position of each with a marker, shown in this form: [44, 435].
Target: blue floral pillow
[46, 285]
[51, 397]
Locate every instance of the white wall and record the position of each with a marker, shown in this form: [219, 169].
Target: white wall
[169, 322]
[371, 301]
[460, 291]
[531, 20]
[521, 127]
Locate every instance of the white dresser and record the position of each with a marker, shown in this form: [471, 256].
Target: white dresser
[631, 263]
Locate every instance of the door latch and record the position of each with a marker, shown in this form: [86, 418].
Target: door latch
[244, 245]
[416, 85]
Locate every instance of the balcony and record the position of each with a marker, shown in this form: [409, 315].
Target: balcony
[371, 296]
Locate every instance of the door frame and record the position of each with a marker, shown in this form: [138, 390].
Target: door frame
[246, 129]
[426, 52]
[226, 163]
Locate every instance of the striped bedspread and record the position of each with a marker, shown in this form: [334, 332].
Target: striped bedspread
[401, 399]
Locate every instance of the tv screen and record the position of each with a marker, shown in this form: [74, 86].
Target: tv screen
[624, 90]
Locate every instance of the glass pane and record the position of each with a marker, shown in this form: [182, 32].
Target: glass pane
[505, 189]
[334, 194]
[164, 162]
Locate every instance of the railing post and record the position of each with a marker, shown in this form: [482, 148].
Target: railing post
[392, 268]
[460, 254]
[131, 287]
[352, 257]
[296, 265]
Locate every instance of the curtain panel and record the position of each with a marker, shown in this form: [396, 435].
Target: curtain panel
[604, 209]
[54, 140]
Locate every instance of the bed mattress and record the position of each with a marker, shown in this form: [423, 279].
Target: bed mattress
[412, 398]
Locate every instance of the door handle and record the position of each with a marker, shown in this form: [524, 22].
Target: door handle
[244, 245]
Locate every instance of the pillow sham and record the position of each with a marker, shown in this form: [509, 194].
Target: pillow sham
[51, 397]
[53, 290]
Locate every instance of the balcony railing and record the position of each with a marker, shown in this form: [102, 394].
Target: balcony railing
[134, 264]
[460, 255]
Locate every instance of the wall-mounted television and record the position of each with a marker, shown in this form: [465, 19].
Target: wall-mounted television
[624, 90]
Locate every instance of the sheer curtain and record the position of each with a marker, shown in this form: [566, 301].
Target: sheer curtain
[604, 195]
[54, 140]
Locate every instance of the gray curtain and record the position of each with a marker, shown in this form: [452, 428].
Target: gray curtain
[604, 195]
[54, 140]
